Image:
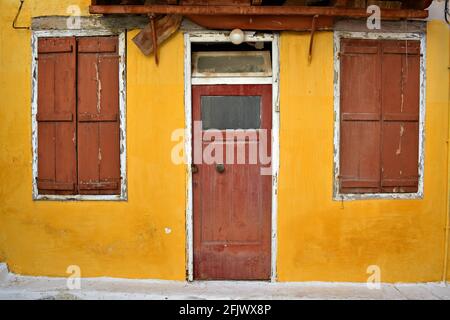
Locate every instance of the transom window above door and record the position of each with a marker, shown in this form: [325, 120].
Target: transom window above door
[231, 64]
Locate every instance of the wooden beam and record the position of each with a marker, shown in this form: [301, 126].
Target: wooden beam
[274, 23]
[415, 4]
[256, 10]
[340, 3]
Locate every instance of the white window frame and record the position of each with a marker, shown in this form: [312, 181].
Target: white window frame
[122, 110]
[223, 36]
[417, 36]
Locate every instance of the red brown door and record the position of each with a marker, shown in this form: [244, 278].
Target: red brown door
[232, 181]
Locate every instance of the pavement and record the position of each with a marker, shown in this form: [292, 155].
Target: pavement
[13, 287]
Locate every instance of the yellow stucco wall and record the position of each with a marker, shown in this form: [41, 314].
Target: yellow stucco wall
[318, 239]
[337, 241]
[121, 239]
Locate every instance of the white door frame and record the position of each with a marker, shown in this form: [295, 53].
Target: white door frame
[220, 36]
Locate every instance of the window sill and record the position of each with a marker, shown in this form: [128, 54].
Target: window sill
[117, 197]
[378, 196]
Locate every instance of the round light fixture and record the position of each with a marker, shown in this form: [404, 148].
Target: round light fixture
[236, 36]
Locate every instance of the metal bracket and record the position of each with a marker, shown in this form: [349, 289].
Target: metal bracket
[154, 37]
[17, 16]
[311, 40]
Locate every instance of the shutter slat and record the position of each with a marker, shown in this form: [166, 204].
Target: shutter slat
[360, 116]
[400, 182]
[400, 117]
[102, 185]
[402, 47]
[55, 45]
[61, 116]
[60, 186]
[96, 117]
[97, 45]
[345, 183]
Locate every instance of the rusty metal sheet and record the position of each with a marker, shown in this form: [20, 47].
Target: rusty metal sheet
[165, 27]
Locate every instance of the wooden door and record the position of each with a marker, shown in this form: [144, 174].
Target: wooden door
[232, 195]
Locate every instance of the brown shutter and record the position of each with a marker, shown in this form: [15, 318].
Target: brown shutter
[56, 116]
[360, 114]
[400, 115]
[98, 116]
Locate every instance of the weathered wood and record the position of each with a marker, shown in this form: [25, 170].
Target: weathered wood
[57, 169]
[98, 131]
[279, 23]
[415, 4]
[165, 27]
[232, 202]
[340, 3]
[256, 10]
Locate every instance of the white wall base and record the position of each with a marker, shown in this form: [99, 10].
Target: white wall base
[26, 287]
[4, 273]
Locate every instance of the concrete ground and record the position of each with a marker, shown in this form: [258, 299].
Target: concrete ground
[22, 287]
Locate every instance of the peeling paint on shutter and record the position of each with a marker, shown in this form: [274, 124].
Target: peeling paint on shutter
[360, 117]
[380, 98]
[56, 116]
[400, 126]
[98, 116]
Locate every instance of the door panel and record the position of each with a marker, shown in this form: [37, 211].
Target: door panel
[232, 209]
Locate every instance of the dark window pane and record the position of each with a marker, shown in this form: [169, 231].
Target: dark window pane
[231, 112]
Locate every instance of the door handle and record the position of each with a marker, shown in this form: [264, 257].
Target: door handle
[194, 168]
[220, 168]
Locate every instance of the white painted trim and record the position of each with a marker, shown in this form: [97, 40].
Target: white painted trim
[122, 110]
[220, 36]
[275, 150]
[338, 35]
[232, 80]
[188, 155]
[223, 36]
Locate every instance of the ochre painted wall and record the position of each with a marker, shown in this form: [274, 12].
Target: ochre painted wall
[319, 239]
[121, 239]
[448, 172]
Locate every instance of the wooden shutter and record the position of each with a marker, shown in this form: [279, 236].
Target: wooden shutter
[360, 116]
[400, 115]
[56, 116]
[380, 98]
[98, 116]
